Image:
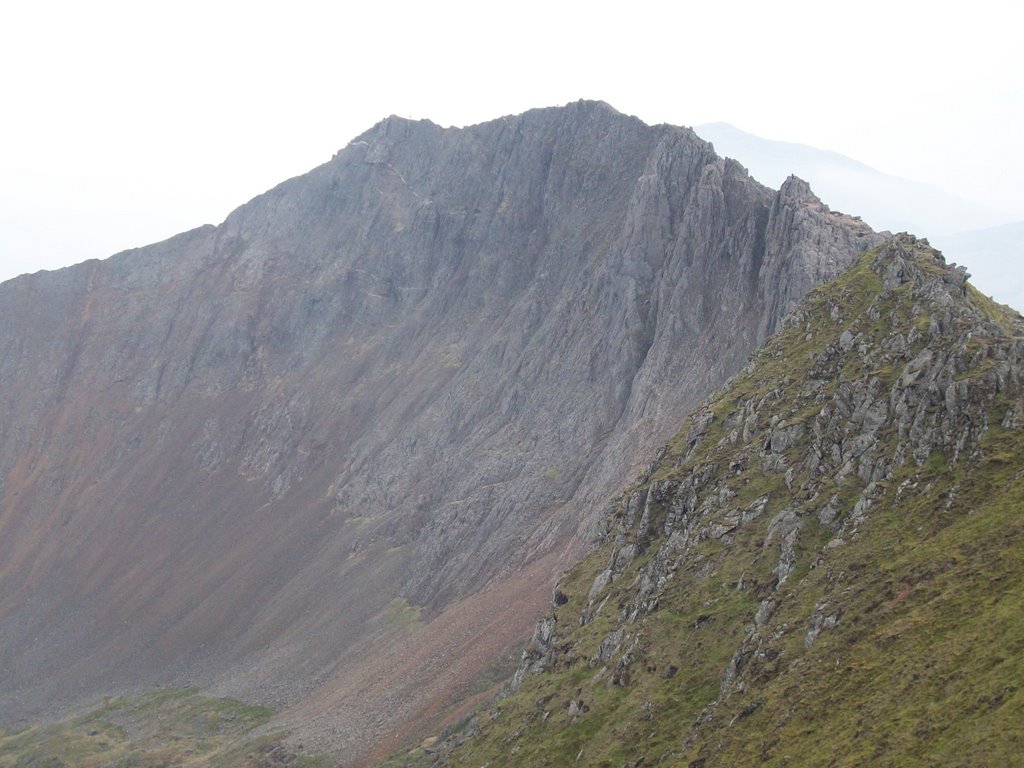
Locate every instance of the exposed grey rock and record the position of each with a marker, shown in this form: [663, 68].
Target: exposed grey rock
[783, 437]
[755, 510]
[610, 645]
[764, 613]
[406, 373]
[602, 580]
[916, 366]
[785, 527]
[827, 515]
[820, 622]
[899, 401]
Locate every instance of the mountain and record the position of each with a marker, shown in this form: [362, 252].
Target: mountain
[330, 455]
[886, 202]
[964, 230]
[821, 568]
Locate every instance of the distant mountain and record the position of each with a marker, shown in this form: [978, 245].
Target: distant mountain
[330, 455]
[992, 253]
[885, 202]
[823, 567]
[995, 257]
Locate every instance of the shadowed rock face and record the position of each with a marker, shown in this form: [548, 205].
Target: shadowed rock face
[244, 457]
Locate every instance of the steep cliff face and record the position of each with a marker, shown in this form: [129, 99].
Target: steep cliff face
[342, 441]
[822, 568]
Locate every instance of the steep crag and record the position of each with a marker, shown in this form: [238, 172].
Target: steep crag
[330, 455]
[822, 568]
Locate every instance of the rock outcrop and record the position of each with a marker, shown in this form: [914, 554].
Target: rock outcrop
[819, 569]
[330, 454]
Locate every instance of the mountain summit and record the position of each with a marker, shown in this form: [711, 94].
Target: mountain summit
[330, 455]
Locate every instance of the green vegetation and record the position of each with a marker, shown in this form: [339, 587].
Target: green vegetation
[824, 569]
[896, 636]
[168, 727]
[398, 612]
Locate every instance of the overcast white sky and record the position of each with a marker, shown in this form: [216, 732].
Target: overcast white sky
[122, 123]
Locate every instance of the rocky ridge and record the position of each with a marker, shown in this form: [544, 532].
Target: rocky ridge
[329, 455]
[821, 568]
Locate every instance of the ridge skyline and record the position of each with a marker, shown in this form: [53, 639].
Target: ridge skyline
[131, 232]
[381, 401]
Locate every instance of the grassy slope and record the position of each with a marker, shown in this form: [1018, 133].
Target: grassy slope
[925, 662]
[923, 666]
[162, 728]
